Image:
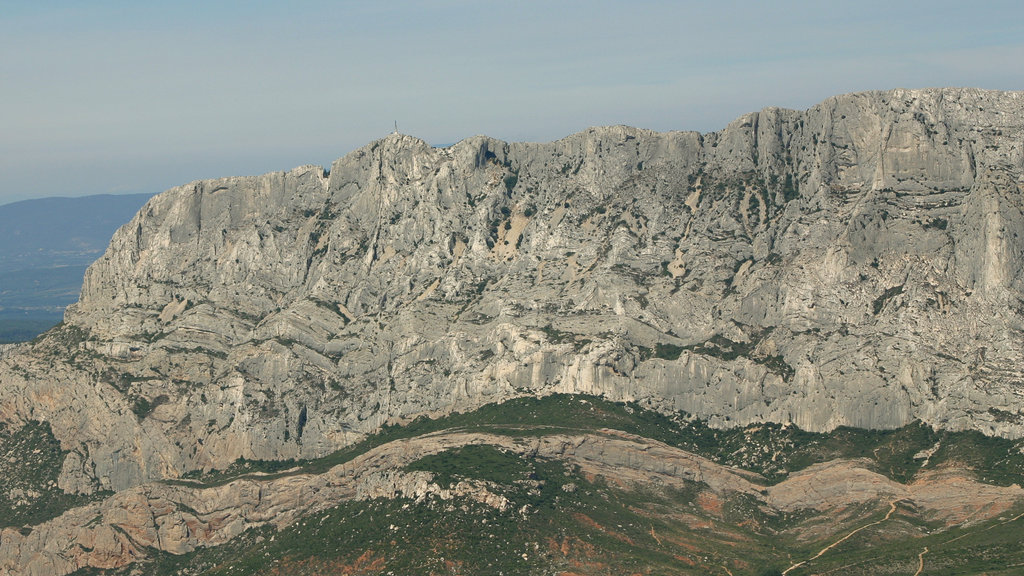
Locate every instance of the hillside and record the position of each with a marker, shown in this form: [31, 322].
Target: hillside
[797, 276]
[560, 485]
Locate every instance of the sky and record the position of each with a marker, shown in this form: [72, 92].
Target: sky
[136, 97]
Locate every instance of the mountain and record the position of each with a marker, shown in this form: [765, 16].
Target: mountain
[765, 290]
[45, 247]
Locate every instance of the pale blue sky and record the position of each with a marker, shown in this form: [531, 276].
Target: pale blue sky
[105, 96]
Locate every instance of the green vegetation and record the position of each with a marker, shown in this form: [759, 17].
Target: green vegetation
[719, 346]
[557, 519]
[890, 293]
[556, 336]
[561, 519]
[30, 462]
[773, 450]
[668, 351]
[510, 182]
[481, 462]
[991, 548]
[790, 189]
[143, 407]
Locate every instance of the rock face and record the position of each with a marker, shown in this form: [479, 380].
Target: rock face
[858, 263]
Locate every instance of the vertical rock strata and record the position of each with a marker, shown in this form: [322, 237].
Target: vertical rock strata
[858, 263]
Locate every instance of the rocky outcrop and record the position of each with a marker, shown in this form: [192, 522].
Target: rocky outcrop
[952, 496]
[8, 349]
[858, 263]
[179, 518]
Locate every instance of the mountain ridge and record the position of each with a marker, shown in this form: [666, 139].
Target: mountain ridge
[614, 331]
[658, 267]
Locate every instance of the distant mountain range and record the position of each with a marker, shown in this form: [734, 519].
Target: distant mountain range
[45, 246]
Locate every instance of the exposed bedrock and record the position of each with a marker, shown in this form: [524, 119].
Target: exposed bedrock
[858, 263]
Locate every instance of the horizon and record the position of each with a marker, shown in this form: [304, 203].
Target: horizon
[113, 99]
[326, 166]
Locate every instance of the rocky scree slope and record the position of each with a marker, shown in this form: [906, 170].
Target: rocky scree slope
[858, 263]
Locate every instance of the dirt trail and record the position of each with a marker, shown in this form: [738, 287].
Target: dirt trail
[920, 562]
[966, 534]
[892, 510]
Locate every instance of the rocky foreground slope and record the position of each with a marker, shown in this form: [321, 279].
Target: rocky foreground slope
[563, 485]
[858, 263]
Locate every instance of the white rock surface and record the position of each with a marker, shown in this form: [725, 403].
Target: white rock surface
[858, 263]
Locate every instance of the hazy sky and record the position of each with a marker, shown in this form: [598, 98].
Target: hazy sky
[105, 96]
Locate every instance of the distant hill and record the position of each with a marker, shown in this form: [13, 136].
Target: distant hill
[45, 246]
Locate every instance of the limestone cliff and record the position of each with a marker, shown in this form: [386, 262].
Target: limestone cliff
[858, 263]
